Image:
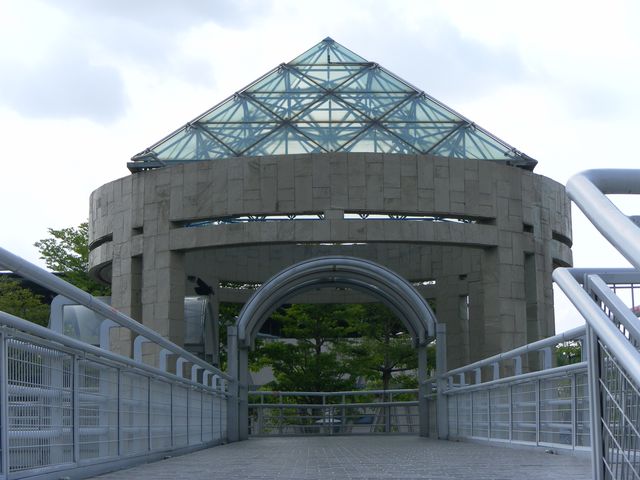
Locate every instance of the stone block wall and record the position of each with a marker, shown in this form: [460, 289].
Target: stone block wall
[501, 232]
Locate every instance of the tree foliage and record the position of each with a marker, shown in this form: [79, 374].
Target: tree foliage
[66, 251]
[22, 302]
[383, 349]
[335, 345]
[568, 353]
[311, 362]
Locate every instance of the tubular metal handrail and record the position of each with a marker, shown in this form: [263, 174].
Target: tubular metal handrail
[551, 372]
[8, 320]
[354, 412]
[46, 279]
[68, 408]
[545, 407]
[340, 392]
[588, 190]
[612, 329]
[573, 334]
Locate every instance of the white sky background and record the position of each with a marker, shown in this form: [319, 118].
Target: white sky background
[86, 84]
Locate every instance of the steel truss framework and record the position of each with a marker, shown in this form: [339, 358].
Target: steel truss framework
[328, 99]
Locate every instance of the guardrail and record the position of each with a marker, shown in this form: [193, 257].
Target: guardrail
[70, 408]
[497, 399]
[334, 413]
[613, 329]
[614, 368]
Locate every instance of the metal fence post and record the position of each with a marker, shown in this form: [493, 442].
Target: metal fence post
[202, 393]
[488, 414]
[171, 413]
[510, 397]
[281, 415]
[119, 408]
[471, 410]
[216, 412]
[75, 385]
[260, 416]
[574, 412]
[387, 412]
[538, 400]
[148, 413]
[188, 390]
[4, 406]
[593, 364]
[344, 414]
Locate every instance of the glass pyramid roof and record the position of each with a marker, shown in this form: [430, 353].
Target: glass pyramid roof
[328, 99]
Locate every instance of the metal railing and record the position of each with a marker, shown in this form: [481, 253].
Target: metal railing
[614, 368]
[613, 329]
[497, 399]
[334, 413]
[70, 408]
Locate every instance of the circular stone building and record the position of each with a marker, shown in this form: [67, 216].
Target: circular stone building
[331, 154]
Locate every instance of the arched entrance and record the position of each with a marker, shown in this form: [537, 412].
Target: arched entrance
[331, 271]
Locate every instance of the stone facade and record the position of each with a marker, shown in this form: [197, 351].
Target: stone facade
[497, 235]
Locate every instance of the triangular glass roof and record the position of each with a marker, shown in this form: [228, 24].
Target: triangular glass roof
[328, 99]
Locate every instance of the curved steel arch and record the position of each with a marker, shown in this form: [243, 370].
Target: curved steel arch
[365, 275]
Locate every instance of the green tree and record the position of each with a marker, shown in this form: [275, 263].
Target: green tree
[66, 251]
[311, 363]
[383, 352]
[568, 353]
[22, 302]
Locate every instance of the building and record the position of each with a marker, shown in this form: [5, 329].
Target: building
[331, 154]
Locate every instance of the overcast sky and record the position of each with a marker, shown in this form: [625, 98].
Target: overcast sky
[86, 84]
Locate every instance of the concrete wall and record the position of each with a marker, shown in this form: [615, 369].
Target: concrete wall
[520, 228]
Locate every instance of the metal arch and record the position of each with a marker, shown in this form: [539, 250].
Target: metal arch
[319, 282]
[354, 272]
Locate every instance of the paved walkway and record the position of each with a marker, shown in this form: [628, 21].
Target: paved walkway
[391, 457]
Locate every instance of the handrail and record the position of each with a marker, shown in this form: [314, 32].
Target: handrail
[624, 352]
[572, 334]
[588, 189]
[523, 377]
[328, 394]
[329, 406]
[69, 409]
[339, 412]
[36, 274]
[622, 313]
[17, 323]
[609, 275]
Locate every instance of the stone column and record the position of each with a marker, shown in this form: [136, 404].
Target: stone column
[163, 273]
[441, 369]
[243, 392]
[233, 371]
[163, 292]
[423, 405]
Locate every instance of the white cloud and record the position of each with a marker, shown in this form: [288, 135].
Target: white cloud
[65, 85]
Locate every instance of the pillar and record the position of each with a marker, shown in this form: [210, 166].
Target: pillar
[442, 407]
[423, 404]
[232, 370]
